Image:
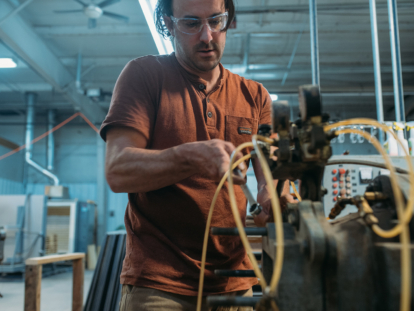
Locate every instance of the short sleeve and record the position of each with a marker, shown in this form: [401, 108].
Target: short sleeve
[266, 104]
[133, 101]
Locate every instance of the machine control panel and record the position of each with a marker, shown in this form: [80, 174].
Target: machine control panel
[348, 180]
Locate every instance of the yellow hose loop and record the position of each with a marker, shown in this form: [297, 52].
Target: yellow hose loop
[237, 218]
[405, 299]
[408, 213]
[277, 270]
[265, 139]
[296, 191]
[207, 231]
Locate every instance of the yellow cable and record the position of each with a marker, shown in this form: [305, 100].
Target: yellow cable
[410, 203]
[405, 299]
[206, 233]
[236, 214]
[277, 270]
[296, 191]
[237, 218]
[265, 139]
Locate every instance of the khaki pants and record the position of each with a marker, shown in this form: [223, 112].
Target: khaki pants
[148, 299]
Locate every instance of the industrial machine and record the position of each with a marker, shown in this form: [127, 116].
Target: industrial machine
[336, 264]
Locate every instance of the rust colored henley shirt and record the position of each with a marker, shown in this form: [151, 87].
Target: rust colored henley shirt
[169, 106]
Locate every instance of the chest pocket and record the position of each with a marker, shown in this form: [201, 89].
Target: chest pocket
[240, 130]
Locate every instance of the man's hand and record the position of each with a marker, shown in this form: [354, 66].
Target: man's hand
[263, 198]
[211, 158]
[131, 168]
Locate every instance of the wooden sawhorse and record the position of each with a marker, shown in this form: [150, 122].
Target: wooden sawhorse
[33, 279]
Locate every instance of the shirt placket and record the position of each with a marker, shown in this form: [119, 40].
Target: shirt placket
[210, 111]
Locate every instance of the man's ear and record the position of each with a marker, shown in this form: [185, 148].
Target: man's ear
[169, 23]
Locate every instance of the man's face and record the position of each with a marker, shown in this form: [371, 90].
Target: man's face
[201, 51]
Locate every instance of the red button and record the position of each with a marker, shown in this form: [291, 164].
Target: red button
[334, 185]
[335, 199]
[334, 172]
[342, 171]
[335, 192]
[334, 178]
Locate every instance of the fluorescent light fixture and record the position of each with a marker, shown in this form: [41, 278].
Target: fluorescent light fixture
[273, 97]
[7, 63]
[164, 46]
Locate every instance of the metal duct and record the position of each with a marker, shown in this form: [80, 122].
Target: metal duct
[50, 140]
[30, 101]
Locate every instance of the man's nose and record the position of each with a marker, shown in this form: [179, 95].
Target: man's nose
[206, 36]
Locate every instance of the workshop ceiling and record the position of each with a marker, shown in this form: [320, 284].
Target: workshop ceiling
[260, 48]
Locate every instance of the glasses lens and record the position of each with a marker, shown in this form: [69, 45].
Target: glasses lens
[217, 23]
[189, 25]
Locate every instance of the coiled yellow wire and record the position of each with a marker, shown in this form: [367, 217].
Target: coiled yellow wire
[243, 237]
[207, 231]
[277, 270]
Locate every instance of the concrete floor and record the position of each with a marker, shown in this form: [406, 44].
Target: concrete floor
[56, 293]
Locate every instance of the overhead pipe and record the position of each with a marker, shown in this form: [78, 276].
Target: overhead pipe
[78, 83]
[377, 64]
[246, 53]
[313, 20]
[50, 140]
[30, 101]
[376, 58]
[396, 61]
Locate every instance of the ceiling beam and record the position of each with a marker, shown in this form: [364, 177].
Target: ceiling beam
[39, 105]
[261, 72]
[25, 87]
[272, 72]
[280, 28]
[97, 61]
[100, 30]
[266, 28]
[26, 43]
[335, 90]
[327, 7]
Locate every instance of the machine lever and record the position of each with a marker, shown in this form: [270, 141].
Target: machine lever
[255, 208]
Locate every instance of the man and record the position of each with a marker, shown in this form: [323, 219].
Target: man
[173, 123]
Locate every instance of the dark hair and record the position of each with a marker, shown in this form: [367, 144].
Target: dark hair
[164, 8]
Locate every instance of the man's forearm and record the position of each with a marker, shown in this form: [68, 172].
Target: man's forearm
[141, 170]
[130, 167]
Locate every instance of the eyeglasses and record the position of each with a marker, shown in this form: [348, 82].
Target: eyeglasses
[192, 26]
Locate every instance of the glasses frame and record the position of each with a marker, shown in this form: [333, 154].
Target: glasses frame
[203, 20]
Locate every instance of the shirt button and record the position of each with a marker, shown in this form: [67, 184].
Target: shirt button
[201, 86]
[209, 114]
